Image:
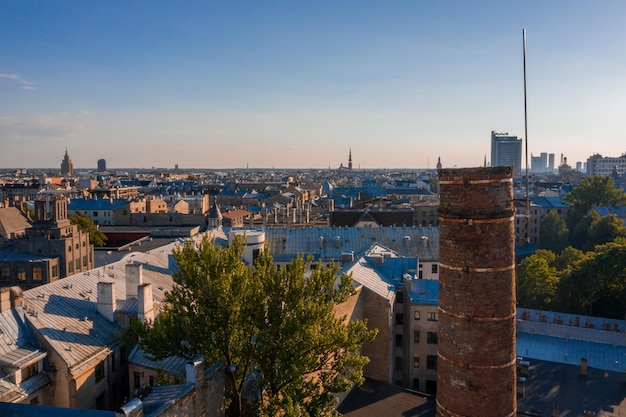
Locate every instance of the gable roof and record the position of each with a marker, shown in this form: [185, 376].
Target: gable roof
[12, 221]
[18, 349]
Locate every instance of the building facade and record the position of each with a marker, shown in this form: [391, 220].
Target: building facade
[51, 249]
[506, 150]
[605, 166]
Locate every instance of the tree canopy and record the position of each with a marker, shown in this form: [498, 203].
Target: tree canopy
[592, 283]
[96, 237]
[597, 190]
[276, 326]
[554, 232]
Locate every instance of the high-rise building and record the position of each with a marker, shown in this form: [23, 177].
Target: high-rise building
[551, 162]
[536, 166]
[102, 165]
[67, 168]
[506, 151]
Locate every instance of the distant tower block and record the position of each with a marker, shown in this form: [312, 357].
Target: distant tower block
[476, 352]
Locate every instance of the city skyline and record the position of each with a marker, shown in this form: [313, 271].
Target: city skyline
[261, 85]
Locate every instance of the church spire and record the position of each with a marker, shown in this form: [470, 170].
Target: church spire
[350, 159]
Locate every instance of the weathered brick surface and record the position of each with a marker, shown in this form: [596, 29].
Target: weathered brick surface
[476, 366]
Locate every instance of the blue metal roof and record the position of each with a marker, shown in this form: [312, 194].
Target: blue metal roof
[95, 204]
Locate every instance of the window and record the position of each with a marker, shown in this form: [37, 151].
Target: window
[136, 379]
[416, 314]
[433, 316]
[85, 260]
[77, 264]
[35, 401]
[55, 271]
[95, 214]
[100, 372]
[420, 274]
[416, 384]
[399, 340]
[416, 361]
[431, 338]
[435, 268]
[416, 336]
[37, 273]
[113, 361]
[400, 297]
[399, 318]
[70, 267]
[431, 362]
[399, 363]
[152, 380]
[5, 273]
[21, 273]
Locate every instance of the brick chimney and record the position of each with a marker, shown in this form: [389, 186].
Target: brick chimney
[476, 351]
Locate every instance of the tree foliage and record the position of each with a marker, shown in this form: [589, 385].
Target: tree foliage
[591, 283]
[536, 282]
[554, 232]
[96, 237]
[596, 190]
[592, 230]
[597, 286]
[275, 325]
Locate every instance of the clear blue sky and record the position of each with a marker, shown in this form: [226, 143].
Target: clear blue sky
[225, 84]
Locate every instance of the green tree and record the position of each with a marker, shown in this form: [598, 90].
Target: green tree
[597, 190]
[276, 324]
[569, 259]
[554, 232]
[306, 353]
[536, 281]
[596, 284]
[606, 229]
[96, 237]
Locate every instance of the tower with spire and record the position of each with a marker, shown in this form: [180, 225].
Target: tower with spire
[67, 168]
[350, 160]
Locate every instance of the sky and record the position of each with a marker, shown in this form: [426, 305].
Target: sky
[298, 84]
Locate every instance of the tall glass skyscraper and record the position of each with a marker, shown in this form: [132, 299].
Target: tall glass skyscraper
[506, 151]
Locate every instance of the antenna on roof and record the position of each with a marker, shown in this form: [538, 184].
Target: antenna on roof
[526, 142]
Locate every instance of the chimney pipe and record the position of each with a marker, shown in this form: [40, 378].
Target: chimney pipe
[145, 309]
[134, 278]
[106, 300]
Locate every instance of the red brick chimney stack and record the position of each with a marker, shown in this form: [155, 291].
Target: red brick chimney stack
[476, 352]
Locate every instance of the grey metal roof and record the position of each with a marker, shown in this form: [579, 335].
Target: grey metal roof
[173, 365]
[18, 349]
[330, 242]
[380, 270]
[12, 221]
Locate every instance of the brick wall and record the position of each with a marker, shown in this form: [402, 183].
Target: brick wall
[476, 352]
